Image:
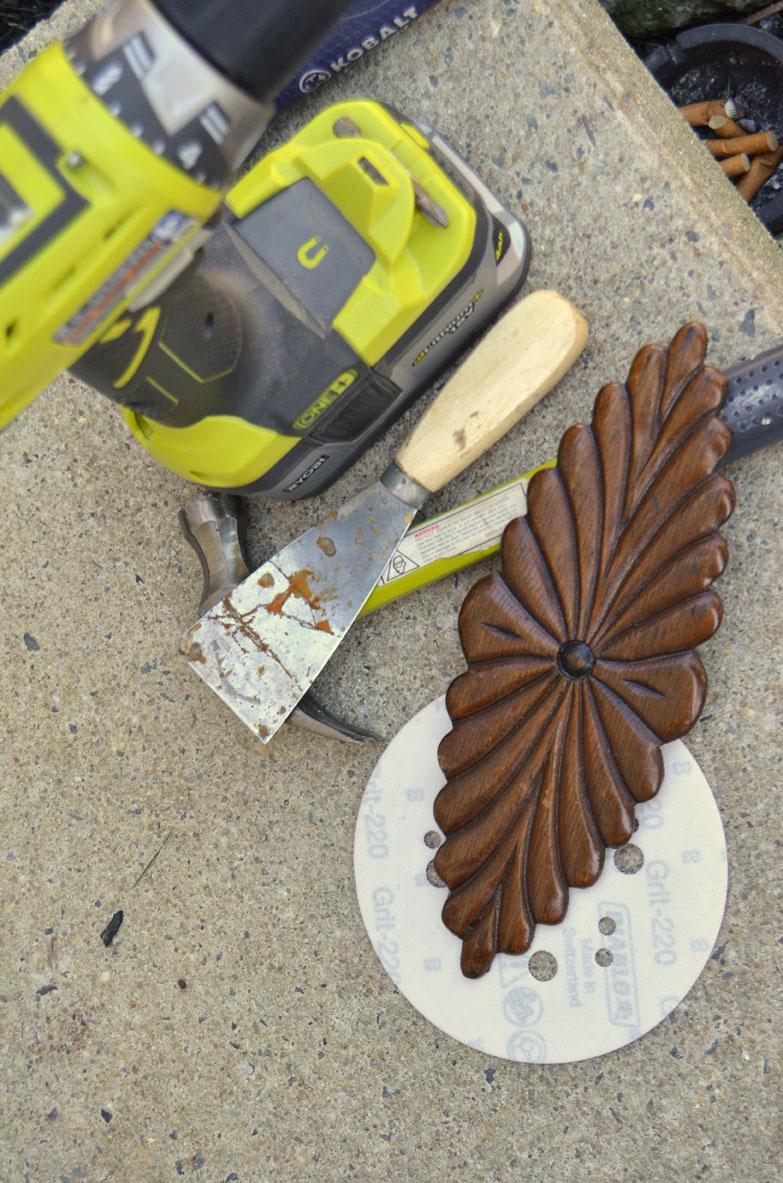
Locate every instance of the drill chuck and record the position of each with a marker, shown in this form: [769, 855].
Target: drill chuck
[152, 79]
[257, 45]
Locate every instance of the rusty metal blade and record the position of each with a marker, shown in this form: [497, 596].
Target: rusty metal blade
[261, 648]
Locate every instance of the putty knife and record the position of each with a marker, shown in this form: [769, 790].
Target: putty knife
[262, 647]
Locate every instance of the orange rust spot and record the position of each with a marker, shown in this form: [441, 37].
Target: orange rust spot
[192, 650]
[266, 580]
[240, 624]
[263, 730]
[298, 585]
[326, 545]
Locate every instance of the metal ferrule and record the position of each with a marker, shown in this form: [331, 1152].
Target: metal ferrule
[404, 487]
[165, 93]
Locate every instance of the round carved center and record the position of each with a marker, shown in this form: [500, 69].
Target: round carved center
[575, 659]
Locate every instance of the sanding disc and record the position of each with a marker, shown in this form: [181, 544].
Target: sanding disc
[628, 951]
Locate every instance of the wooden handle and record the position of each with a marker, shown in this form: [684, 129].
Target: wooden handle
[518, 361]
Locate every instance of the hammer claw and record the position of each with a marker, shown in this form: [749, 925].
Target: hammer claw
[311, 716]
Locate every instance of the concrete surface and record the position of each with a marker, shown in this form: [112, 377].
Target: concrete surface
[240, 1027]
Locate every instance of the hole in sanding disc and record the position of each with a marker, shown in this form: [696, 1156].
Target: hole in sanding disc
[543, 966]
[433, 876]
[628, 859]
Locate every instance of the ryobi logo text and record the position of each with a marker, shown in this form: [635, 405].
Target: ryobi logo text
[308, 472]
[325, 400]
[451, 327]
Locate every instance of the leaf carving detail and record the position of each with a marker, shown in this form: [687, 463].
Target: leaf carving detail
[580, 651]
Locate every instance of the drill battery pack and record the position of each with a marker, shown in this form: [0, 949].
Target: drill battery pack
[349, 268]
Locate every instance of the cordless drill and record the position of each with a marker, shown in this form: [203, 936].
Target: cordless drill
[116, 148]
[257, 340]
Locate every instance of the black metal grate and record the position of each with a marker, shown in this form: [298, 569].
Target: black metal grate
[729, 60]
[17, 17]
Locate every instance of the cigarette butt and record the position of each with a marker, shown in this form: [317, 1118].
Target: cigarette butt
[735, 166]
[725, 127]
[699, 114]
[762, 141]
[761, 168]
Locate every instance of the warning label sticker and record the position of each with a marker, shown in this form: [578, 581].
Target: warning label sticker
[475, 526]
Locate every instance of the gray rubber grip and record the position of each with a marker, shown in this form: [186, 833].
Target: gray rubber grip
[754, 403]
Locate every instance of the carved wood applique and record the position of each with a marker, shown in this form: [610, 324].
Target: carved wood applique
[579, 652]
